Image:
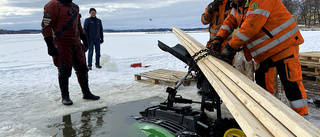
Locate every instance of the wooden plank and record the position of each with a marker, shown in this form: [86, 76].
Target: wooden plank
[310, 69]
[310, 54]
[174, 75]
[310, 73]
[249, 104]
[155, 81]
[137, 77]
[311, 78]
[251, 88]
[310, 63]
[248, 81]
[279, 111]
[250, 125]
[161, 75]
[313, 56]
[243, 116]
[156, 77]
[165, 71]
[271, 104]
[260, 113]
[164, 75]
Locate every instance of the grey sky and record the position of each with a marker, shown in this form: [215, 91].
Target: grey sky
[115, 14]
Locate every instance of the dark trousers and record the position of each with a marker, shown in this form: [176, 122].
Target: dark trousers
[71, 56]
[94, 45]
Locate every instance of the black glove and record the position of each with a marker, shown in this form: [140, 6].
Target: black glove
[83, 37]
[52, 50]
[228, 52]
[83, 47]
[213, 6]
[210, 8]
[101, 41]
[217, 43]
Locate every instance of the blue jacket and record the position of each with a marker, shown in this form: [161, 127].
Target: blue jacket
[93, 28]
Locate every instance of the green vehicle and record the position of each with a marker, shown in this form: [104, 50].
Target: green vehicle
[169, 120]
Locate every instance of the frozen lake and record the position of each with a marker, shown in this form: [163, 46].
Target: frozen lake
[29, 90]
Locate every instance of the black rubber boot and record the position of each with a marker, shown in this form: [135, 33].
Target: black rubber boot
[66, 100]
[64, 82]
[98, 66]
[89, 95]
[83, 81]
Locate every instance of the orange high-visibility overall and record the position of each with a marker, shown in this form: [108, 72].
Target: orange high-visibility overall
[215, 20]
[271, 37]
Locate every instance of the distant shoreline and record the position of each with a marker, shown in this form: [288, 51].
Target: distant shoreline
[149, 31]
[30, 31]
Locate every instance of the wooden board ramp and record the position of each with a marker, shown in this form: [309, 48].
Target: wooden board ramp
[258, 113]
[310, 65]
[165, 75]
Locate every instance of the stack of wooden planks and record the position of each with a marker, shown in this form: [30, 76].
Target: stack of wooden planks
[257, 112]
[165, 75]
[310, 65]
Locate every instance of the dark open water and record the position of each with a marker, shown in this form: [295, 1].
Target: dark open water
[104, 122]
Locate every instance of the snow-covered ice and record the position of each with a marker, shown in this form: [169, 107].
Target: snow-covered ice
[29, 90]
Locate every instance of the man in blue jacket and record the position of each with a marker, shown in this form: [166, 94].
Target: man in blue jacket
[94, 31]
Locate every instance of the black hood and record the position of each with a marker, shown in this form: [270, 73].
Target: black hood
[66, 2]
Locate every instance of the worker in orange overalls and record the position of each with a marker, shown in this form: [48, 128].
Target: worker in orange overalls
[214, 15]
[271, 37]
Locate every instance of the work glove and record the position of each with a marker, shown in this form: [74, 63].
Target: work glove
[101, 41]
[228, 52]
[216, 44]
[213, 6]
[83, 37]
[52, 50]
[210, 8]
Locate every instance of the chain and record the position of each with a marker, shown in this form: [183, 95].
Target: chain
[197, 53]
[209, 52]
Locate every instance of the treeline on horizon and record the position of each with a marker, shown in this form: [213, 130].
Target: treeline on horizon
[29, 31]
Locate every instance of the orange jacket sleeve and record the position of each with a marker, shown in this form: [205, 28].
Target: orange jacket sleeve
[206, 17]
[252, 23]
[229, 24]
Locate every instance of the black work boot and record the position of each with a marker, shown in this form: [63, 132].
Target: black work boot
[88, 95]
[64, 82]
[83, 81]
[66, 100]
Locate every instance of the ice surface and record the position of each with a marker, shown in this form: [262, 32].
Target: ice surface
[29, 90]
